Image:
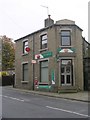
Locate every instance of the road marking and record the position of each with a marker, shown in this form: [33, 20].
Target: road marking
[67, 111]
[13, 98]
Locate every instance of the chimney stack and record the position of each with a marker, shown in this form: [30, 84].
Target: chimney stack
[48, 22]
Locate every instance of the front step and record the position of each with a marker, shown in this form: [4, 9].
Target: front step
[67, 89]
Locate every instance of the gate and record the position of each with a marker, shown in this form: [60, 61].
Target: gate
[7, 80]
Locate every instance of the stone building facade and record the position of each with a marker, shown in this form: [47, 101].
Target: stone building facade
[51, 59]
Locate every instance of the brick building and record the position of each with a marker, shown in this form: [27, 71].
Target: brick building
[54, 61]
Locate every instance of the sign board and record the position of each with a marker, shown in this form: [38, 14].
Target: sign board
[27, 49]
[47, 54]
[44, 86]
[33, 61]
[66, 50]
[44, 55]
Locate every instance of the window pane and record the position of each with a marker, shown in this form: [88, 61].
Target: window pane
[65, 33]
[25, 66]
[62, 69]
[44, 71]
[62, 79]
[43, 41]
[25, 45]
[68, 78]
[44, 64]
[25, 72]
[44, 37]
[44, 46]
[25, 77]
[44, 74]
[65, 40]
[66, 62]
[68, 69]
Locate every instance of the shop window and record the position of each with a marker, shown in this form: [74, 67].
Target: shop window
[43, 41]
[44, 71]
[25, 72]
[65, 38]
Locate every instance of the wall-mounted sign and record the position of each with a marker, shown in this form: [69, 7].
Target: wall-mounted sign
[44, 86]
[27, 49]
[65, 50]
[33, 61]
[47, 54]
[44, 55]
[38, 56]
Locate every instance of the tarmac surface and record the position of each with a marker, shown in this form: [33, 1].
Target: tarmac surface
[79, 96]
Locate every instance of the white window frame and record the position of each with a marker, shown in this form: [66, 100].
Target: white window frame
[43, 40]
[24, 51]
[65, 36]
[65, 29]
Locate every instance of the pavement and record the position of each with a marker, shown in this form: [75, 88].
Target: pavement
[83, 96]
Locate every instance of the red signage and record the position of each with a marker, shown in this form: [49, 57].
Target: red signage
[27, 49]
[36, 82]
[38, 56]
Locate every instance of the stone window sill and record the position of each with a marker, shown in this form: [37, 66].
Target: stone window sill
[41, 50]
[24, 82]
[24, 54]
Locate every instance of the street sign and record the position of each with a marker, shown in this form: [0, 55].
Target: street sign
[44, 55]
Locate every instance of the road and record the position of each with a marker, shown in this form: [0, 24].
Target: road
[18, 104]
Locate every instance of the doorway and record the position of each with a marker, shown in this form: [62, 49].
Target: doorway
[66, 73]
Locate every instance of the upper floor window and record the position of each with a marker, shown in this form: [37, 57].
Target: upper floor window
[65, 38]
[25, 45]
[44, 41]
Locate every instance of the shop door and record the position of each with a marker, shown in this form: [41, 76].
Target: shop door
[66, 72]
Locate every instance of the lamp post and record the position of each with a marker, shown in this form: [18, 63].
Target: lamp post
[46, 8]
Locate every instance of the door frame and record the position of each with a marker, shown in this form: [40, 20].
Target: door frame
[72, 72]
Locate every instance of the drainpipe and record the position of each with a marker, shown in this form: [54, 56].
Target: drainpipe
[33, 56]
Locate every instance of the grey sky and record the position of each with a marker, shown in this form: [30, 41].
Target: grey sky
[21, 17]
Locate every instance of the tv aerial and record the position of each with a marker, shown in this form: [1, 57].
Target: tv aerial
[46, 8]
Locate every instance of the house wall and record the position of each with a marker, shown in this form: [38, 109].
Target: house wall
[79, 59]
[54, 63]
[20, 59]
[52, 41]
